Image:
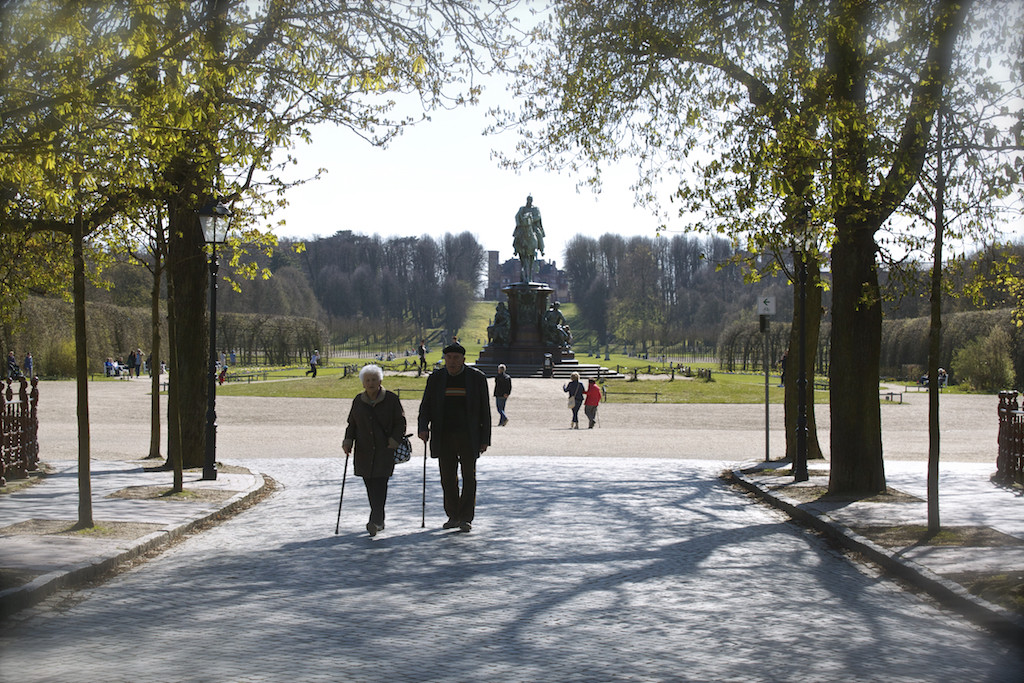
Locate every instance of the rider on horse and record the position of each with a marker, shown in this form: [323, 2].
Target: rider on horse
[528, 237]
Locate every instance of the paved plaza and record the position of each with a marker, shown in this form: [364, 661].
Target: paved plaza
[630, 566]
[575, 571]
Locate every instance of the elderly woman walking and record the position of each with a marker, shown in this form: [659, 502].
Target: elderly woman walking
[376, 425]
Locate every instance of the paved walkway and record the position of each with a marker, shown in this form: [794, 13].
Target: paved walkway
[618, 569]
[578, 568]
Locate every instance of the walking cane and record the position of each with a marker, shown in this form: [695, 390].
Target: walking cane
[344, 476]
[423, 518]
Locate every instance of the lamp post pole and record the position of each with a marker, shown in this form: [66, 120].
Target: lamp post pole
[210, 463]
[800, 463]
[208, 216]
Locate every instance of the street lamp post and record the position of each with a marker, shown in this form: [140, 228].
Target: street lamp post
[208, 219]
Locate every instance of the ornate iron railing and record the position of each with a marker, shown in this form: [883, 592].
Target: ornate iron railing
[19, 428]
[1010, 460]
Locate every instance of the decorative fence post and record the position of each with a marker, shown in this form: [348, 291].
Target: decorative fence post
[19, 429]
[1010, 457]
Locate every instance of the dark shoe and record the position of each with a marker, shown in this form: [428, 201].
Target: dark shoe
[372, 528]
[591, 425]
[450, 524]
[466, 527]
[503, 422]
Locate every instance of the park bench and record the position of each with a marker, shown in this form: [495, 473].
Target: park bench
[242, 377]
[891, 395]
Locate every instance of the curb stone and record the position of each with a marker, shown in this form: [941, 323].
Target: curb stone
[982, 612]
[40, 588]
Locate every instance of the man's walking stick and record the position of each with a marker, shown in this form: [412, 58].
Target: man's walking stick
[344, 476]
[423, 518]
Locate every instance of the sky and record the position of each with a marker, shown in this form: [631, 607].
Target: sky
[438, 177]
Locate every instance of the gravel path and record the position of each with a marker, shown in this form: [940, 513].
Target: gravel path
[539, 420]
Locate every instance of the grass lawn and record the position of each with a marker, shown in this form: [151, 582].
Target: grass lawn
[724, 388]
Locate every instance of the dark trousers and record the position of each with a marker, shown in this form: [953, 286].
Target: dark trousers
[576, 411]
[377, 493]
[455, 452]
[591, 412]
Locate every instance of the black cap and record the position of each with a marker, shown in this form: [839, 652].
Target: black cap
[454, 347]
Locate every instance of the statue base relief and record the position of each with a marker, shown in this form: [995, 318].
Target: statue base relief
[527, 303]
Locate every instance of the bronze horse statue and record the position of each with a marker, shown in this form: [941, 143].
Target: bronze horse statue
[528, 238]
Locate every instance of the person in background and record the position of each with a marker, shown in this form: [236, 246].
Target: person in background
[455, 415]
[576, 393]
[314, 360]
[422, 351]
[502, 389]
[591, 401]
[376, 425]
[29, 366]
[13, 371]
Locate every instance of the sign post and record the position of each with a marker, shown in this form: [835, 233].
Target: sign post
[766, 309]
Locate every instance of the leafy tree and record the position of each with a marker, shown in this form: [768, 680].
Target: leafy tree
[182, 100]
[793, 99]
[984, 363]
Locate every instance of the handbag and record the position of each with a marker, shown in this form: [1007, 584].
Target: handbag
[572, 403]
[404, 451]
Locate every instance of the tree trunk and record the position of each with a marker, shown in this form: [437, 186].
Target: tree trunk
[154, 358]
[173, 422]
[935, 338]
[856, 439]
[813, 305]
[85, 520]
[187, 269]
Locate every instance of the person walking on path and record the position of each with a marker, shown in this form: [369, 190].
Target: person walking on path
[455, 415]
[591, 401]
[376, 425]
[422, 351]
[314, 360]
[502, 388]
[29, 366]
[131, 364]
[576, 393]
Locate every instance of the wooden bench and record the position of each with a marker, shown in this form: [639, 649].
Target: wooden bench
[890, 395]
[247, 378]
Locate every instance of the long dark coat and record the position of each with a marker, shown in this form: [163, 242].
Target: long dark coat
[374, 449]
[478, 408]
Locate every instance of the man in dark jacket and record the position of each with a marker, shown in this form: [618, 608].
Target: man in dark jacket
[502, 388]
[455, 415]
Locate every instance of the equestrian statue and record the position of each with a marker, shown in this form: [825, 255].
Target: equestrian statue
[528, 238]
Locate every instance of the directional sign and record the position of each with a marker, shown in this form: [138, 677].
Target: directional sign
[766, 305]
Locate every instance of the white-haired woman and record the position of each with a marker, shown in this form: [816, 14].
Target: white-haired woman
[376, 425]
[576, 393]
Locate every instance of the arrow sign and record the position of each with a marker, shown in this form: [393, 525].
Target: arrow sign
[766, 305]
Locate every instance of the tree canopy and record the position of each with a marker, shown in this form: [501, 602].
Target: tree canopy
[784, 124]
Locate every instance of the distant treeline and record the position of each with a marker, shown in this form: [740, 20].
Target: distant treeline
[114, 331]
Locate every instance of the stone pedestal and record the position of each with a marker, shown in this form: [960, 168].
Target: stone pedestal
[527, 302]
